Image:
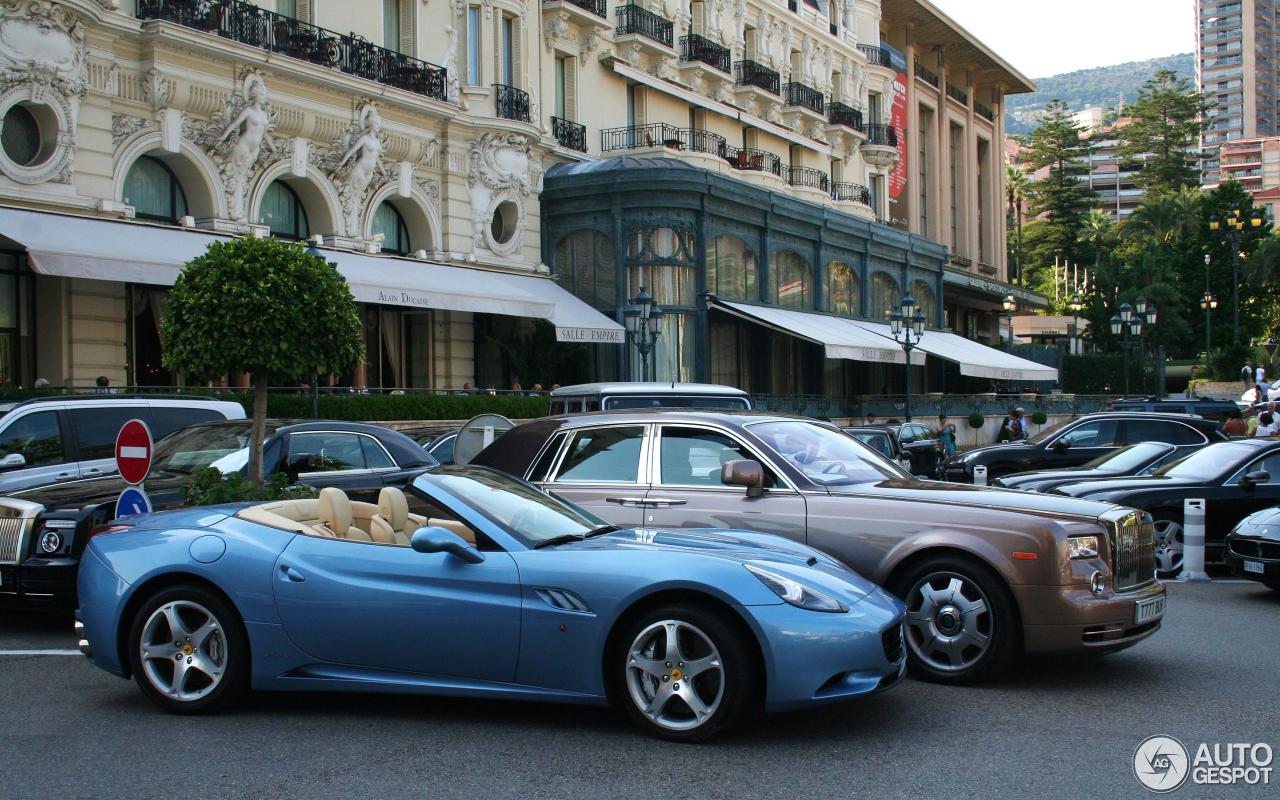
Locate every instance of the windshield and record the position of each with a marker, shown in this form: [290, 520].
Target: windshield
[524, 511]
[1128, 458]
[190, 449]
[826, 456]
[1210, 462]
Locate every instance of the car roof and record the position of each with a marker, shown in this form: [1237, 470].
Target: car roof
[184, 399]
[720, 415]
[647, 387]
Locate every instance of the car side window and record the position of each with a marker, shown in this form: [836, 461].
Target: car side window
[693, 457]
[443, 451]
[36, 437]
[610, 455]
[167, 419]
[1097, 433]
[335, 451]
[543, 467]
[97, 428]
[1268, 463]
[1155, 430]
[375, 455]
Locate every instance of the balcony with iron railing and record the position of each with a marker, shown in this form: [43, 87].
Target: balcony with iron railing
[511, 103]
[634, 20]
[348, 53]
[753, 73]
[880, 134]
[984, 111]
[958, 94]
[809, 178]
[797, 94]
[699, 49]
[597, 7]
[750, 159]
[878, 56]
[660, 134]
[850, 192]
[927, 75]
[569, 134]
[841, 114]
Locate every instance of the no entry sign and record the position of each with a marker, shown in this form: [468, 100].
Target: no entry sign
[133, 451]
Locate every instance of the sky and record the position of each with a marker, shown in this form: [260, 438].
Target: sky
[1047, 37]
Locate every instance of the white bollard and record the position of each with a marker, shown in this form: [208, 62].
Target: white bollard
[980, 475]
[1193, 541]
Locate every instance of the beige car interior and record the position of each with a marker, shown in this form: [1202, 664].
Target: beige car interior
[334, 515]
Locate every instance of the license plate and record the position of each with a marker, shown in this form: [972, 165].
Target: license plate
[1148, 610]
[1253, 566]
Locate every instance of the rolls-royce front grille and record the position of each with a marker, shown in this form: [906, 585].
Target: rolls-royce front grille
[11, 539]
[1134, 552]
[1255, 548]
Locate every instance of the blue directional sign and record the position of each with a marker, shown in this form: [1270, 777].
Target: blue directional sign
[132, 501]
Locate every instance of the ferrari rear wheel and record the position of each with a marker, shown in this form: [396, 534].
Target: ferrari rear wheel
[188, 651]
[684, 673]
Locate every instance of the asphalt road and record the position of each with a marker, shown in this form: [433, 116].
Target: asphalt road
[1051, 729]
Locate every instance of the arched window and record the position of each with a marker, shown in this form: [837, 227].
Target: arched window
[283, 213]
[153, 191]
[731, 269]
[843, 290]
[884, 295]
[790, 280]
[584, 265]
[395, 234]
[21, 136]
[926, 300]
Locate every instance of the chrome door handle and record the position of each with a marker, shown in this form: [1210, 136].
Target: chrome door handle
[663, 502]
[292, 575]
[625, 501]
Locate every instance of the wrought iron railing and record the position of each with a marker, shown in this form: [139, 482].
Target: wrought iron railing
[929, 76]
[876, 55]
[878, 133]
[633, 19]
[798, 94]
[569, 134]
[698, 48]
[841, 114]
[596, 7]
[660, 134]
[855, 192]
[510, 102]
[753, 160]
[809, 177]
[984, 111]
[354, 55]
[957, 94]
[753, 73]
[700, 141]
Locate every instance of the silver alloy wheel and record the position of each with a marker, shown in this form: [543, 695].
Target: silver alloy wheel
[183, 650]
[1168, 546]
[949, 621]
[675, 675]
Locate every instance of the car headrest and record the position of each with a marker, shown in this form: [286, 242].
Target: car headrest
[393, 507]
[335, 510]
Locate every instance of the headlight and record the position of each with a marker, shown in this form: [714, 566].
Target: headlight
[1082, 547]
[796, 593]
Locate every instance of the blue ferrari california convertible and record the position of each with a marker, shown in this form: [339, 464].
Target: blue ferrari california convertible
[487, 588]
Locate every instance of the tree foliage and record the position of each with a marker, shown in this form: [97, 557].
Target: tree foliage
[265, 307]
[1060, 198]
[1163, 136]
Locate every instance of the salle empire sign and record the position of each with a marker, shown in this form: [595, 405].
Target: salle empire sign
[589, 335]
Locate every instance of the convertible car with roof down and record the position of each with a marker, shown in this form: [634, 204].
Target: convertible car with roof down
[501, 592]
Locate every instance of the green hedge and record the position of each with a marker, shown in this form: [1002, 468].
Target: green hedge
[365, 407]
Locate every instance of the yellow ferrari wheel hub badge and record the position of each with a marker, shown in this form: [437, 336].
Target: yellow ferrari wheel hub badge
[676, 674]
[187, 649]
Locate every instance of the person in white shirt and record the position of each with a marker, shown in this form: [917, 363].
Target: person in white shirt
[1261, 375]
[1266, 425]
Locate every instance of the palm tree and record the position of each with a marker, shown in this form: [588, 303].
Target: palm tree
[1158, 220]
[1016, 187]
[1096, 230]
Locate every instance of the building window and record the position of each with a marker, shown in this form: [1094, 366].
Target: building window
[473, 46]
[843, 290]
[984, 245]
[731, 269]
[956, 152]
[876, 187]
[925, 136]
[391, 24]
[395, 234]
[288, 8]
[790, 280]
[21, 136]
[884, 296]
[283, 213]
[923, 294]
[584, 264]
[508, 61]
[154, 192]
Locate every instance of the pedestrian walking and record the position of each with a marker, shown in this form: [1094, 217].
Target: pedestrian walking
[1235, 424]
[946, 435]
[870, 420]
[1261, 376]
[1017, 425]
[1266, 424]
[1246, 375]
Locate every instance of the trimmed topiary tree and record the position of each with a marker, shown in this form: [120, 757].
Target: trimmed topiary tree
[265, 307]
[976, 420]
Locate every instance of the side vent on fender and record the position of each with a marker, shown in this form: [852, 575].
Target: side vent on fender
[563, 600]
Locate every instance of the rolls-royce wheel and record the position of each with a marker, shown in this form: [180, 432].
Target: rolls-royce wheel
[1168, 545]
[961, 626]
[684, 673]
[188, 651]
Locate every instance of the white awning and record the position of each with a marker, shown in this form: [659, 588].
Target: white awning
[976, 360]
[840, 337]
[77, 247]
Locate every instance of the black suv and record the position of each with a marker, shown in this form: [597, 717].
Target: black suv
[1084, 439]
[1216, 410]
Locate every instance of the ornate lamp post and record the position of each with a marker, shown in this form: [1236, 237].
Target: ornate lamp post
[1233, 224]
[1010, 305]
[907, 325]
[1123, 324]
[1208, 303]
[1077, 305]
[643, 319]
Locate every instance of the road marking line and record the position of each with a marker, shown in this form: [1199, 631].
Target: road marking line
[39, 652]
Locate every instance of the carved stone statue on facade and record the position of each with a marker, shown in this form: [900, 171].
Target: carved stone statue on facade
[502, 168]
[450, 63]
[235, 138]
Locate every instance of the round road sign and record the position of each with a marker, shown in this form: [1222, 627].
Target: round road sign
[133, 451]
[132, 501]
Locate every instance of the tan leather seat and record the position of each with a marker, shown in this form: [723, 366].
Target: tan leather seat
[336, 516]
[393, 518]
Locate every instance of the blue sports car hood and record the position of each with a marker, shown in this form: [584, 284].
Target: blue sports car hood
[791, 559]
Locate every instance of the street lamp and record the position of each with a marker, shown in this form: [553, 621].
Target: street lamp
[1077, 305]
[1010, 305]
[1124, 324]
[907, 326]
[1234, 223]
[1208, 303]
[643, 319]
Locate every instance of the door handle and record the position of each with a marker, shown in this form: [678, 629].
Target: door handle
[663, 502]
[625, 501]
[290, 574]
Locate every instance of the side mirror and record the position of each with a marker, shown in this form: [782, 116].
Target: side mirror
[431, 539]
[1257, 476]
[1061, 446]
[744, 472]
[13, 460]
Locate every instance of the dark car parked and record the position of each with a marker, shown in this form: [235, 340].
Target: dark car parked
[1234, 478]
[1253, 547]
[1216, 410]
[43, 531]
[1081, 440]
[914, 445]
[1135, 459]
[435, 439]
